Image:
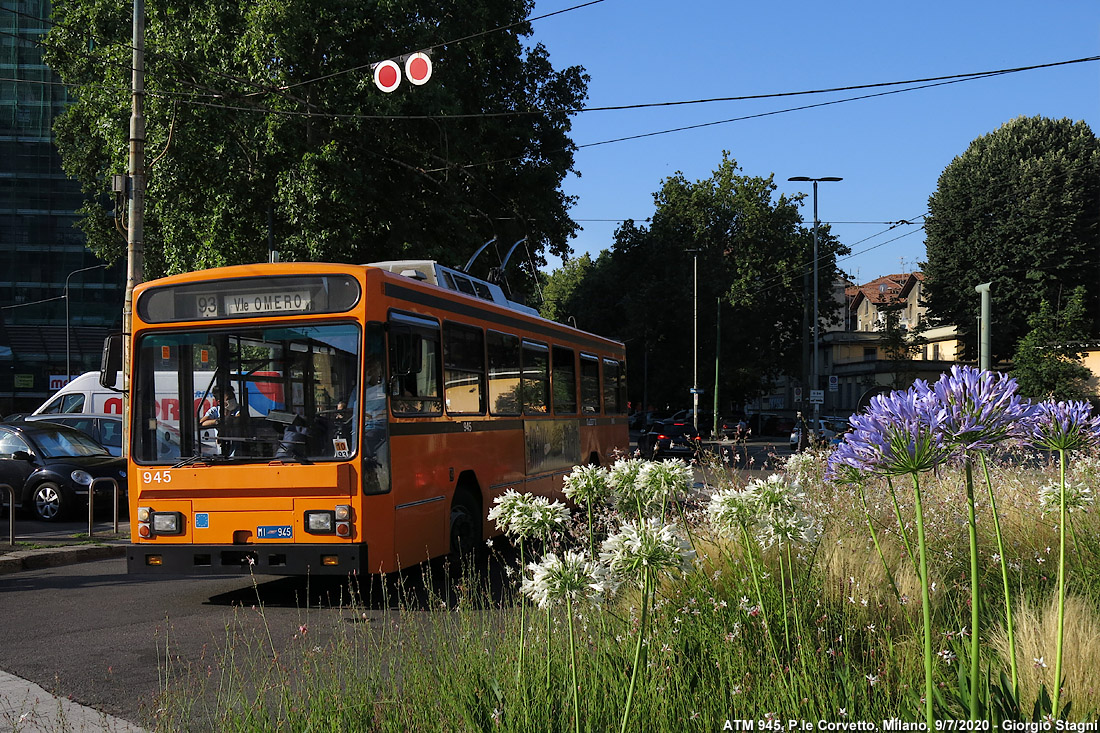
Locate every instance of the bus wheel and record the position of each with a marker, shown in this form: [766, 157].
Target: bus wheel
[465, 532]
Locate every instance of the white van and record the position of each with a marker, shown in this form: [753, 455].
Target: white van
[84, 394]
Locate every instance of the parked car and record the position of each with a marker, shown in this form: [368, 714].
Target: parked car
[669, 438]
[826, 431]
[51, 467]
[103, 429]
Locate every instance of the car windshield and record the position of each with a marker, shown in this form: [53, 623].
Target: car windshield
[61, 443]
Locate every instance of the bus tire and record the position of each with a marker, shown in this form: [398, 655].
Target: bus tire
[465, 528]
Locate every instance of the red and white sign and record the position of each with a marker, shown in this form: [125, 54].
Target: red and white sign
[418, 68]
[387, 75]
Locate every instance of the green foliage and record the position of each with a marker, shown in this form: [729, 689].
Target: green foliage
[1017, 209]
[899, 344]
[752, 252]
[1047, 360]
[267, 109]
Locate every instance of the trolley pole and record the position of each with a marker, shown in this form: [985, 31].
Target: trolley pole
[136, 213]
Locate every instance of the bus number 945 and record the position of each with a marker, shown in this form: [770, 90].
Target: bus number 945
[156, 477]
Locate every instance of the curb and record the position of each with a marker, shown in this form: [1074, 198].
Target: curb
[51, 557]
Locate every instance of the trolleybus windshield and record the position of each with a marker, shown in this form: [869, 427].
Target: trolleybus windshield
[286, 391]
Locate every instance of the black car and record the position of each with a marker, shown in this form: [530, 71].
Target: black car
[669, 438]
[51, 467]
[103, 429]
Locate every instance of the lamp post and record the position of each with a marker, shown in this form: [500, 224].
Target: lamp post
[68, 369]
[814, 375]
[695, 348]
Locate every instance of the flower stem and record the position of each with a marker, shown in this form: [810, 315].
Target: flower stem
[975, 596]
[1004, 572]
[522, 621]
[901, 524]
[926, 604]
[1061, 584]
[573, 667]
[637, 649]
[878, 548]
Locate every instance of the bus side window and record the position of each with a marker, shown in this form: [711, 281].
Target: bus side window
[590, 385]
[536, 378]
[463, 369]
[504, 386]
[613, 382]
[564, 381]
[414, 365]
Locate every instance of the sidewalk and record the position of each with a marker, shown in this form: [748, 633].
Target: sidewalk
[27, 708]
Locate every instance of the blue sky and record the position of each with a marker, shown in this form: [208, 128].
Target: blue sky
[890, 150]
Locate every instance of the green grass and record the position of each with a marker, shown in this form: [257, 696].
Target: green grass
[437, 656]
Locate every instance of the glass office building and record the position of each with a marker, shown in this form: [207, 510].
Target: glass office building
[40, 248]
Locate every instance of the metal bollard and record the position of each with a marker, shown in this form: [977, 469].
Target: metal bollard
[91, 501]
[11, 512]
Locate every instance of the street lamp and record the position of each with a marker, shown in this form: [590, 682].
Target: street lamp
[68, 369]
[814, 374]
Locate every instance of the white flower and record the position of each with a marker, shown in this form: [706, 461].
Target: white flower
[642, 544]
[524, 515]
[555, 579]
[587, 485]
[1078, 496]
[664, 480]
[732, 508]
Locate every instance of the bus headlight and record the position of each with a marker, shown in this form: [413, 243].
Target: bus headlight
[81, 477]
[320, 522]
[167, 522]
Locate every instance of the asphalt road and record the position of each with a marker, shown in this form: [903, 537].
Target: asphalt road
[100, 637]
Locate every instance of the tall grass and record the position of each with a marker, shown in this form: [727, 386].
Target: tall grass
[826, 629]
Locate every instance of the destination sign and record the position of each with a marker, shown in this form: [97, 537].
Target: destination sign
[253, 304]
[249, 297]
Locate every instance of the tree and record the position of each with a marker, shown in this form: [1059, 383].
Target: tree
[262, 116]
[1047, 363]
[1017, 209]
[899, 344]
[752, 250]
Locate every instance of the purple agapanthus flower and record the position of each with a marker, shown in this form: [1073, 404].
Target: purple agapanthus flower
[980, 408]
[898, 434]
[1064, 426]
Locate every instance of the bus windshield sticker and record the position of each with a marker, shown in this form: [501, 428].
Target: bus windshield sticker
[340, 448]
[275, 532]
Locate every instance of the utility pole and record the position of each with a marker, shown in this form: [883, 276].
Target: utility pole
[134, 230]
[717, 353]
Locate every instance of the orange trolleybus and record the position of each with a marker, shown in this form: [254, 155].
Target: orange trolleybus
[317, 418]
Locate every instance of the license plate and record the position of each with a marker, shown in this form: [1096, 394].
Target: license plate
[275, 532]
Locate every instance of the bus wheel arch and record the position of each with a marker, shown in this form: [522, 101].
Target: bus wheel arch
[467, 515]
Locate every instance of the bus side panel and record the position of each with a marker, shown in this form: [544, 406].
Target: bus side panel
[426, 469]
[608, 439]
[421, 495]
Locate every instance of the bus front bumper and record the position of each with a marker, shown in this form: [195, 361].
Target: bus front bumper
[265, 559]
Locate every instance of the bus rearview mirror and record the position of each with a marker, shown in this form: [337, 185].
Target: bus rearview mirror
[111, 363]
